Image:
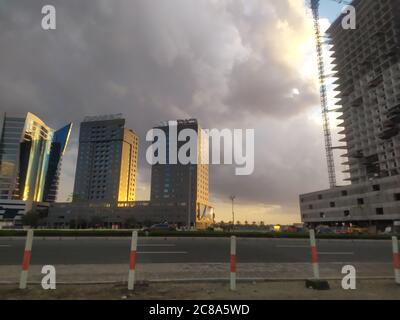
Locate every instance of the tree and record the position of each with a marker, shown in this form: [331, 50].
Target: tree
[79, 223]
[130, 222]
[31, 218]
[96, 221]
[148, 223]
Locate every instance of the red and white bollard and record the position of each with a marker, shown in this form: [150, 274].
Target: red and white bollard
[27, 258]
[396, 260]
[314, 255]
[316, 283]
[233, 263]
[132, 262]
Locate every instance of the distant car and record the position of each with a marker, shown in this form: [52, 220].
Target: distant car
[325, 231]
[341, 230]
[388, 230]
[160, 227]
[356, 230]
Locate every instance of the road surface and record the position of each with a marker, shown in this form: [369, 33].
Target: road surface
[191, 250]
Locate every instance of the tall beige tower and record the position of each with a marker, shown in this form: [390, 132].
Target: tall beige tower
[107, 161]
[128, 169]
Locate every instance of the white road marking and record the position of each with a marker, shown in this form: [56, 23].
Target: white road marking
[156, 245]
[292, 246]
[336, 253]
[162, 252]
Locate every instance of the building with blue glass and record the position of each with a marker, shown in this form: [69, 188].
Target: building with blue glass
[30, 162]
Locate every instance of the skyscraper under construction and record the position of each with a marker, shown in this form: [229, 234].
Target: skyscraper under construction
[367, 65]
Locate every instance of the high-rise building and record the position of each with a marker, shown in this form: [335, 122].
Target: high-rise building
[368, 71]
[178, 183]
[367, 65]
[106, 169]
[30, 158]
[106, 173]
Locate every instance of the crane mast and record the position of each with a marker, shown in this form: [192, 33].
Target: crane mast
[323, 96]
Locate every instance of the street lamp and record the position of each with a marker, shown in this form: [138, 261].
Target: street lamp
[232, 197]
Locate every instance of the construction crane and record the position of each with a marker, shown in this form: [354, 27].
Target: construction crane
[342, 1]
[323, 93]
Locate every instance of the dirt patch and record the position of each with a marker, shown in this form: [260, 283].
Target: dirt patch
[295, 290]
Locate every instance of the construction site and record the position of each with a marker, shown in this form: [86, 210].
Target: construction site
[366, 67]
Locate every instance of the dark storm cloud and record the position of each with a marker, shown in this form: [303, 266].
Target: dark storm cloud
[218, 61]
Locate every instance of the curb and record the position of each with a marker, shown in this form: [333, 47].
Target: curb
[196, 280]
[74, 238]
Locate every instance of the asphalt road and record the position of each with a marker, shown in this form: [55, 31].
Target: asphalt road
[191, 250]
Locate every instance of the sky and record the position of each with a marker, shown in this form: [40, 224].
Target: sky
[237, 64]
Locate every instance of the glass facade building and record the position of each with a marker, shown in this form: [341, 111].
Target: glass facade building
[30, 158]
[184, 184]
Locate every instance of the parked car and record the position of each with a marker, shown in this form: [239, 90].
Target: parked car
[324, 230]
[160, 227]
[357, 230]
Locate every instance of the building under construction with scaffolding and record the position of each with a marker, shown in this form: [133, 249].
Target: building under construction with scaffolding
[367, 67]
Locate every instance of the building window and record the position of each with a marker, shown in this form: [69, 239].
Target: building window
[397, 197]
[332, 204]
[376, 187]
[344, 193]
[379, 211]
[347, 213]
[320, 197]
[310, 207]
[322, 215]
[360, 201]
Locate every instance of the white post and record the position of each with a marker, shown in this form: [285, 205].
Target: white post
[233, 263]
[314, 254]
[396, 260]
[27, 257]
[132, 263]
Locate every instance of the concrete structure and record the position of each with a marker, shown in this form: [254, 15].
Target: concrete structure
[30, 161]
[12, 211]
[367, 63]
[375, 202]
[107, 161]
[142, 212]
[183, 183]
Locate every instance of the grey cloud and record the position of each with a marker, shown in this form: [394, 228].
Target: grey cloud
[217, 61]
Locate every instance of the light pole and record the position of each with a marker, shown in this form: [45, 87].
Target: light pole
[232, 197]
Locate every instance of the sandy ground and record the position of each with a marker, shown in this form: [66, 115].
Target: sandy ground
[289, 290]
[190, 271]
